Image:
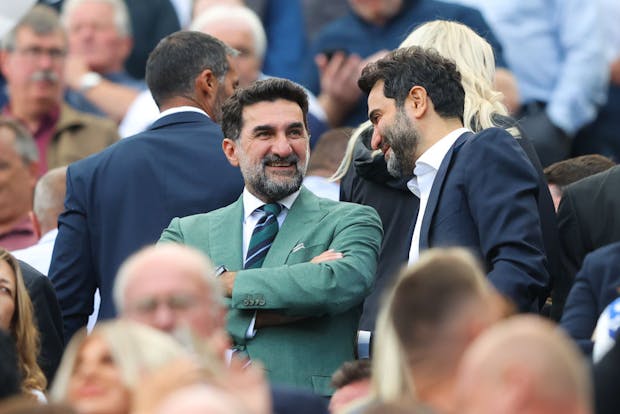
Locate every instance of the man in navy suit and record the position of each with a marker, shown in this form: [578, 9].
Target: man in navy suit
[476, 190]
[122, 198]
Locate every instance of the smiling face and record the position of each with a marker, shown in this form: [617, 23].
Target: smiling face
[394, 132]
[272, 150]
[7, 295]
[96, 385]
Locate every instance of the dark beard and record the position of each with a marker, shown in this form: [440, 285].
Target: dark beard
[403, 138]
[272, 189]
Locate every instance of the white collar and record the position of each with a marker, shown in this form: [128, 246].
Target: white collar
[433, 157]
[251, 202]
[178, 109]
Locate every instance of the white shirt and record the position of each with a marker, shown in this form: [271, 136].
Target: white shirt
[250, 218]
[322, 187]
[424, 174]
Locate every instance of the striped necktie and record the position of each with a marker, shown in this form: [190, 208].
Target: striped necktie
[263, 236]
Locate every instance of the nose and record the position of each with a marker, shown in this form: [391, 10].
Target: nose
[282, 146]
[376, 140]
[164, 318]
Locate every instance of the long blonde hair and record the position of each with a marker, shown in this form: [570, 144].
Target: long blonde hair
[24, 331]
[474, 60]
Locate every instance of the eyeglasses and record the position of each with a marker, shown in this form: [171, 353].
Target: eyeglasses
[35, 53]
[176, 303]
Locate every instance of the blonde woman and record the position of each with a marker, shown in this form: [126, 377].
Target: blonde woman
[99, 373]
[16, 317]
[365, 180]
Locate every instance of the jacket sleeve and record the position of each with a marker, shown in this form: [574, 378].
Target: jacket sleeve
[309, 289]
[72, 272]
[501, 193]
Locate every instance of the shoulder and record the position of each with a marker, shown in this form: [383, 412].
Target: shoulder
[605, 257]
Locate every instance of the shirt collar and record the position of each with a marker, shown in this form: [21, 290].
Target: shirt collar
[251, 202]
[431, 159]
[178, 109]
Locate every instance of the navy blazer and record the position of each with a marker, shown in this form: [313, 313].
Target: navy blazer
[484, 197]
[596, 286]
[122, 198]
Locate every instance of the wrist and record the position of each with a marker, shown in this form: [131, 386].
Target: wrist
[88, 81]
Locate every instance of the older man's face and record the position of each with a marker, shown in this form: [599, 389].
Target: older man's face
[94, 36]
[17, 180]
[34, 69]
[168, 296]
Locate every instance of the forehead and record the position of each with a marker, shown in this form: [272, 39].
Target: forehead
[278, 113]
[377, 98]
[163, 277]
[25, 36]
[7, 277]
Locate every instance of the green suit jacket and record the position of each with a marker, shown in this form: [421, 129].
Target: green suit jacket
[327, 295]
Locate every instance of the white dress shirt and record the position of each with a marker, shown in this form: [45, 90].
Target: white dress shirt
[250, 217]
[424, 174]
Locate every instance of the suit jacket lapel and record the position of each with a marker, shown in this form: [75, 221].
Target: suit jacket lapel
[305, 210]
[226, 236]
[433, 197]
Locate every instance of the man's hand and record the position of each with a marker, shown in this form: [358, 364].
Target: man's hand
[326, 256]
[75, 68]
[227, 281]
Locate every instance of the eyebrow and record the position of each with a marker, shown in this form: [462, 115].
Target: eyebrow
[259, 128]
[5, 281]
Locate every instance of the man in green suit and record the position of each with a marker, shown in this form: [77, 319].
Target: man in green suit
[296, 267]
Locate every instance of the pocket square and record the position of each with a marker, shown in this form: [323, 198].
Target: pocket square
[298, 247]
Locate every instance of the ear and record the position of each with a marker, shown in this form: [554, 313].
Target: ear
[206, 83]
[230, 150]
[33, 172]
[35, 223]
[4, 56]
[417, 100]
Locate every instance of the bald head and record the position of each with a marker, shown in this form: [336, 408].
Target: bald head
[524, 365]
[170, 286]
[49, 198]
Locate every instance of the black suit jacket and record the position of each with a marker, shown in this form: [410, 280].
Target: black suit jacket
[48, 319]
[124, 197]
[588, 218]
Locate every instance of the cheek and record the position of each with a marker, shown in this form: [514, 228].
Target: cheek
[7, 308]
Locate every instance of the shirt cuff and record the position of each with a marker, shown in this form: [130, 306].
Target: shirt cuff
[251, 332]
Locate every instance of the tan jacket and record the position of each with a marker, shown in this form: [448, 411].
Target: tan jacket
[79, 135]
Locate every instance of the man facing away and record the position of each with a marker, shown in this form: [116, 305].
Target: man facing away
[296, 267]
[476, 191]
[122, 199]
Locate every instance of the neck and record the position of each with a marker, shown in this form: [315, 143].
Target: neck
[9, 222]
[177, 101]
[30, 113]
[435, 131]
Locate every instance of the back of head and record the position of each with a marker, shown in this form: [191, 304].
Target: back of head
[41, 19]
[405, 68]
[474, 60]
[329, 151]
[568, 171]
[530, 359]
[49, 198]
[268, 90]
[425, 322]
[179, 58]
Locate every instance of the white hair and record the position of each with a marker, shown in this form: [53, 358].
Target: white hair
[121, 14]
[241, 14]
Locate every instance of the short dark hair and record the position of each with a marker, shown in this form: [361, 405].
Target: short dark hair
[405, 68]
[566, 172]
[350, 372]
[173, 65]
[270, 90]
